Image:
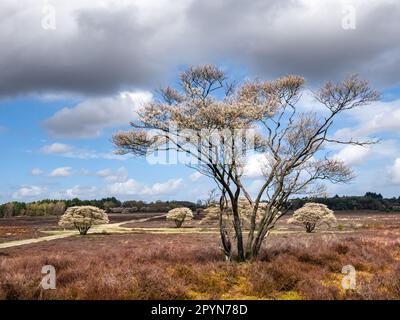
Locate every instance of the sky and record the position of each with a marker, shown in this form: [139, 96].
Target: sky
[73, 73]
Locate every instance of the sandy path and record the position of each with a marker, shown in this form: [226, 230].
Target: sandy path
[108, 228]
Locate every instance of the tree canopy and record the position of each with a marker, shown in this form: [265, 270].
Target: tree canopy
[217, 124]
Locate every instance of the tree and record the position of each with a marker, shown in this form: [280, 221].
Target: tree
[373, 195]
[9, 210]
[313, 214]
[108, 205]
[220, 124]
[59, 208]
[179, 215]
[212, 197]
[83, 218]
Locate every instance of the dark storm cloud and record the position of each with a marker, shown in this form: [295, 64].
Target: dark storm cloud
[107, 51]
[281, 37]
[103, 49]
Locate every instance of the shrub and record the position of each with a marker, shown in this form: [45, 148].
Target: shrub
[82, 218]
[179, 215]
[212, 212]
[313, 214]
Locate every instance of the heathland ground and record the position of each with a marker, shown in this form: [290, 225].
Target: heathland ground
[136, 258]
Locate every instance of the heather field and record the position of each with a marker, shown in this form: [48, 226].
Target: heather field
[136, 259]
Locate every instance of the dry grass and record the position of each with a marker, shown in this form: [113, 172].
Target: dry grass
[190, 266]
[293, 265]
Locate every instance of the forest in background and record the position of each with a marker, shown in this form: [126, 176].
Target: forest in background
[370, 201]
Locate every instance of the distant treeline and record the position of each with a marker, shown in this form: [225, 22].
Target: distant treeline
[370, 201]
[57, 207]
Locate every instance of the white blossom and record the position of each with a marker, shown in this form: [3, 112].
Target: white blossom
[313, 214]
[83, 218]
[179, 215]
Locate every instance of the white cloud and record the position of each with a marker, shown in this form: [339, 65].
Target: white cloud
[28, 192]
[69, 151]
[81, 192]
[353, 154]
[132, 187]
[308, 103]
[195, 176]
[57, 148]
[61, 172]
[119, 175]
[376, 118]
[90, 117]
[394, 171]
[36, 172]
[385, 150]
[256, 165]
[103, 173]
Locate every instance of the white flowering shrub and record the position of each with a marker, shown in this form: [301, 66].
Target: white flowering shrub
[83, 218]
[179, 215]
[212, 212]
[313, 214]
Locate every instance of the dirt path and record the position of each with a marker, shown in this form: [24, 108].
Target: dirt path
[54, 235]
[117, 228]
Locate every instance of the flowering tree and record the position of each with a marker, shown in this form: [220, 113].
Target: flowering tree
[205, 118]
[179, 215]
[313, 214]
[245, 208]
[83, 218]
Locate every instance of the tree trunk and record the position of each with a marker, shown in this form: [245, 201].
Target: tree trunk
[83, 230]
[310, 227]
[255, 249]
[226, 242]
[178, 223]
[238, 231]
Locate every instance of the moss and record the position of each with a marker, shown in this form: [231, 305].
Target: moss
[195, 295]
[289, 295]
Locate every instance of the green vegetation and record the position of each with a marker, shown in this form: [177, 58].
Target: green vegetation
[370, 201]
[57, 207]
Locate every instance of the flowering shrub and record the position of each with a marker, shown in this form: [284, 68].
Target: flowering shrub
[212, 212]
[313, 214]
[179, 215]
[82, 218]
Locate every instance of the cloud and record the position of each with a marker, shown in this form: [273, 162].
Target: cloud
[256, 165]
[57, 148]
[376, 118]
[103, 49]
[82, 192]
[69, 151]
[36, 172]
[351, 155]
[195, 176]
[28, 192]
[61, 172]
[133, 188]
[119, 175]
[394, 171]
[90, 117]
